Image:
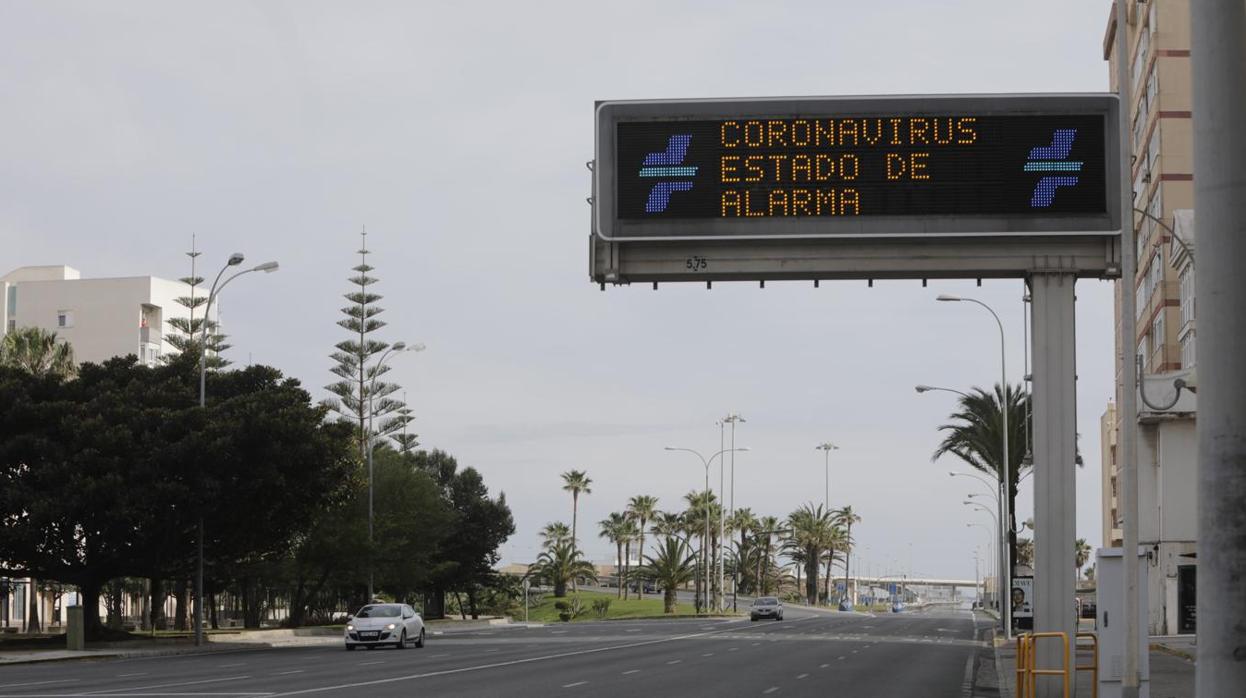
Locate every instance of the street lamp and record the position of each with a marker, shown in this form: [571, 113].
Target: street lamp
[927, 388]
[732, 419]
[704, 547]
[827, 447]
[234, 260]
[1005, 474]
[377, 370]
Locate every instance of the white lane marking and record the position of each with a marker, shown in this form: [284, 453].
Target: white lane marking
[226, 666]
[632, 630]
[496, 665]
[379, 661]
[708, 654]
[167, 685]
[292, 671]
[137, 673]
[443, 654]
[802, 676]
[573, 685]
[675, 661]
[128, 695]
[732, 649]
[631, 671]
[823, 666]
[839, 657]
[772, 689]
[36, 683]
[755, 644]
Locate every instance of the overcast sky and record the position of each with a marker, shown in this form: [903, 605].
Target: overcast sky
[457, 133]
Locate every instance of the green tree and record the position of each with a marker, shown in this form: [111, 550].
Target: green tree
[362, 398]
[642, 508]
[976, 434]
[812, 535]
[189, 329]
[555, 532]
[1081, 554]
[743, 521]
[614, 529]
[36, 351]
[767, 528]
[255, 464]
[848, 517]
[671, 566]
[481, 523]
[559, 566]
[576, 482]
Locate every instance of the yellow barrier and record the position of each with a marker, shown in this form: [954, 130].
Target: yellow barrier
[1027, 664]
[1094, 667]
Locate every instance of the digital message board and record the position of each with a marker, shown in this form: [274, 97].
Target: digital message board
[891, 166]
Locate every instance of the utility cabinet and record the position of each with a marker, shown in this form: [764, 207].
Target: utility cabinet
[1110, 600]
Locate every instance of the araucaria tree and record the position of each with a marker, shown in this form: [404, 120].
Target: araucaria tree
[187, 330]
[361, 397]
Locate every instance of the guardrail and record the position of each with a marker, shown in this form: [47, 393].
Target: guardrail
[1028, 670]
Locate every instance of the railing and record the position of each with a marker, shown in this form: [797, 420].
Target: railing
[1028, 670]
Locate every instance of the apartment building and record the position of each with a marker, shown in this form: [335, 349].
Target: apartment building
[101, 318]
[1158, 41]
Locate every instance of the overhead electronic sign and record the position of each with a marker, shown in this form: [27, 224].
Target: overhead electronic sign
[836, 167]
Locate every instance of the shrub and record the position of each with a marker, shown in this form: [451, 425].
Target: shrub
[601, 607]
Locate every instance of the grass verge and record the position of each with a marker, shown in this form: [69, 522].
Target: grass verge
[620, 609]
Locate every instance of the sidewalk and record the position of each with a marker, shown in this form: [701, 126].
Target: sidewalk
[1172, 668]
[241, 640]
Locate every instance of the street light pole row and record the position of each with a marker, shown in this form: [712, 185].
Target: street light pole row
[705, 551]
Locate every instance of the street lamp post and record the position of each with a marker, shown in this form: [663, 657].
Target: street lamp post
[1001, 560]
[827, 447]
[1005, 474]
[705, 552]
[234, 260]
[398, 347]
[732, 419]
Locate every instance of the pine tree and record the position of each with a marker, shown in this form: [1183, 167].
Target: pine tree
[360, 392]
[185, 337]
[406, 442]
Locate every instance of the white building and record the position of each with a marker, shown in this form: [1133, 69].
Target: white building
[100, 318]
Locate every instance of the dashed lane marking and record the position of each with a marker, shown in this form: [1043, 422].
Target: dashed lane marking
[631, 671]
[225, 666]
[35, 683]
[379, 661]
[292, 671]
[139, 673]
[708, 654]
[802, 676]
[772, 689]
[823, 666]
[675, 661]
[573, 685]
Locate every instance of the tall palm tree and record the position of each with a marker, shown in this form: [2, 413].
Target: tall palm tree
[666, 523]
[848, 517]
[975, 436]
[36, 351]
[642, 508]
[613, 529]
[576, 482]
[561, 564]
[555, 532]
[811, 536]
[1081, 554]
[673, 565]
[743, 521]
[702, 511]
[767, 528]
[629, 532]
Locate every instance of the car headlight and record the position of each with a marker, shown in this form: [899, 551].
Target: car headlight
[391, 626]
[350, 627]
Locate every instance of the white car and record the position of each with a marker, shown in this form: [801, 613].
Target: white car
[385, 624]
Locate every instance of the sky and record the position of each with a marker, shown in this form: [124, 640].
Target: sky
[457, 133]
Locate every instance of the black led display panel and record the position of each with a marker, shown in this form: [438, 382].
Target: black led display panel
[909, 165]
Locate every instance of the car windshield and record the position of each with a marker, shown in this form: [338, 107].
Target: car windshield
[767, 601]
[378, 612]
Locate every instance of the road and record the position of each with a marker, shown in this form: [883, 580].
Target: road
[807, 654]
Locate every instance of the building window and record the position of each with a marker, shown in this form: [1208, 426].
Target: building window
[1188, 357]
[1157, 332]
[64, 318]
[1144, 45]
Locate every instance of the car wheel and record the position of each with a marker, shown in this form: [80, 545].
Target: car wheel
[350, 648]
[402, 641]
[419, 642]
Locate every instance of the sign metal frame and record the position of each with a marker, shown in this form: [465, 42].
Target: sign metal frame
[609, 228]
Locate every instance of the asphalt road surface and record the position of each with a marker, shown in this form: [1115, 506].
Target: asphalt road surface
[931, 654]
